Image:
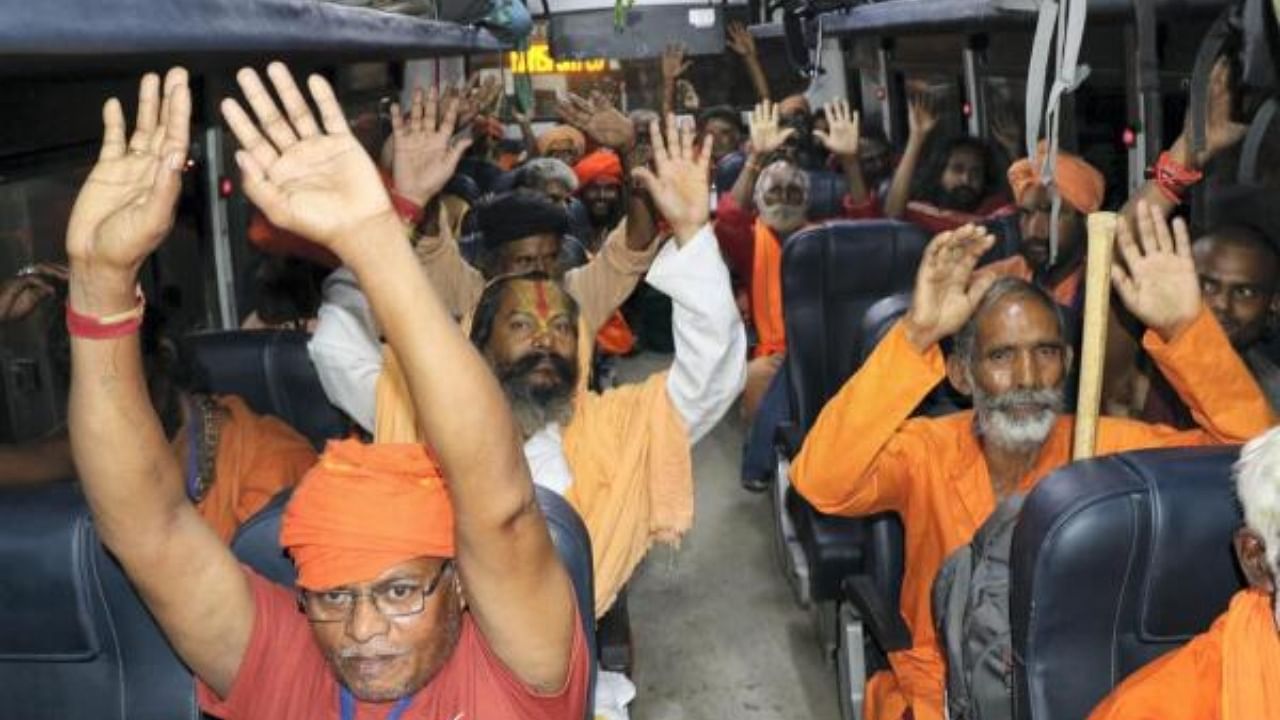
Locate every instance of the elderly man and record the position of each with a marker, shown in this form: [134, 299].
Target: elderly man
[1231, 672]
[420, 598]
[1082, 189]
[622, 458]
[944, 476]
[753, 222]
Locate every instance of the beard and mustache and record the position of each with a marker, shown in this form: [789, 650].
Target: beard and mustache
[962, 198]
[538, 404]
[783, 218]
[1018, 420]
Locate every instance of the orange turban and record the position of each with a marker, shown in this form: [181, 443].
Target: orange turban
[364, 509]
[1079, 183]
[560, 133]
[600, 166]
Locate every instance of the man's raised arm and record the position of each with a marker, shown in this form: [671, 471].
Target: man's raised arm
[188, 578]
[854, 460]
[314, 179]
[710, 365]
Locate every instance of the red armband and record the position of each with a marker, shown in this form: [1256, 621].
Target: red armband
[110, 327]
[1173, 179]
[408, 210]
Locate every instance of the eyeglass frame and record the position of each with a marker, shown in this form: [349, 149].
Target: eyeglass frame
[356, 596]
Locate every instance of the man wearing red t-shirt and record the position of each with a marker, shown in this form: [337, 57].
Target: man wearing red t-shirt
[418, 598]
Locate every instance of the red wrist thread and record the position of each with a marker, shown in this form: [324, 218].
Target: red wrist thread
[111, 327]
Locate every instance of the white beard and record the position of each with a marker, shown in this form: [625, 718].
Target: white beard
[997, 425]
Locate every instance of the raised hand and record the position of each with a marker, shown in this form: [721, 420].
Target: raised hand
[424, 157]
[314, 181]
[741, 40]
[1005, 130]
[947, 288]
[21, 295]
[766, 133]
[127, 205]
[1221, 132]
[599, 119]
[845, 131]
[922, 116]
[478, 97]
[673, 63]
[680, 181]
[1160, 286]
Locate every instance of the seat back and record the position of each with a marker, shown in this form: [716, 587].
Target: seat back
[257, 544]
[75, 639]
[826, 194]
[272, 372]
[1116, 561]
[831, 275]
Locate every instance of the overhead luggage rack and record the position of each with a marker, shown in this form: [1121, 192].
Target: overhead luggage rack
[35, 35]
[922, 16]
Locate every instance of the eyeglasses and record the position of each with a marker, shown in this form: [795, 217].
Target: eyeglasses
[394, 598]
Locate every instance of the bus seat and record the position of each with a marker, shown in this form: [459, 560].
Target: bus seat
[272, 372]
[727, 171]
[463, 187]
[833, 276]
[1008, 237]
[826, 194]
[257, 544]
[1116, 561]
[76, 640]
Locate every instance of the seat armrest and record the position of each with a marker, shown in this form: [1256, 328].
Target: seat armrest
[788, 439]
[884, 623]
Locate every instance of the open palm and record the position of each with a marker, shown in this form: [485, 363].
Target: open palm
[424, 156]
[844, 133]
[1158, 282]
[767, 134]
[320, 184]
[680, 182]
[947, 290]
[126, 206]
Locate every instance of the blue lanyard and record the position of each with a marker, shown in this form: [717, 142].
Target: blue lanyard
[347, 701]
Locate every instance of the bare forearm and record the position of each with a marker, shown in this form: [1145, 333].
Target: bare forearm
[853, 175]
[135, 492]
[758, 79]
[460, 407]
[744, 187]
[900, 190]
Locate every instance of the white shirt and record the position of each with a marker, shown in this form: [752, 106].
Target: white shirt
[707, 374]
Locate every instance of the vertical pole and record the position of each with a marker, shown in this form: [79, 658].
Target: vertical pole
[219, 233]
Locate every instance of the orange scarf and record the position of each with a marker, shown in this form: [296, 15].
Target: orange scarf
[258, 456]
[1250, 659]
[766, 292]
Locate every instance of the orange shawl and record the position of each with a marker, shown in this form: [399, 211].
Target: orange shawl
[1231, 672]
[628, 450]
[766, 292]
[258, 456]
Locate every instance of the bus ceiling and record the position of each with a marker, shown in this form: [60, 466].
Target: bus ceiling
[74, 35]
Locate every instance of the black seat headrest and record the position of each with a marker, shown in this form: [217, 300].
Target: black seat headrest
[826, 194]
[831, 274]
[76, 640]
[272, 371]
[1149, 536]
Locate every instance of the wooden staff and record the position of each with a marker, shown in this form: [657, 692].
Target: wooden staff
[1097, 308]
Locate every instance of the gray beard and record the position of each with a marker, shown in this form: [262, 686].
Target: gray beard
[531, 415]
[783, 219]
[995, 424]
